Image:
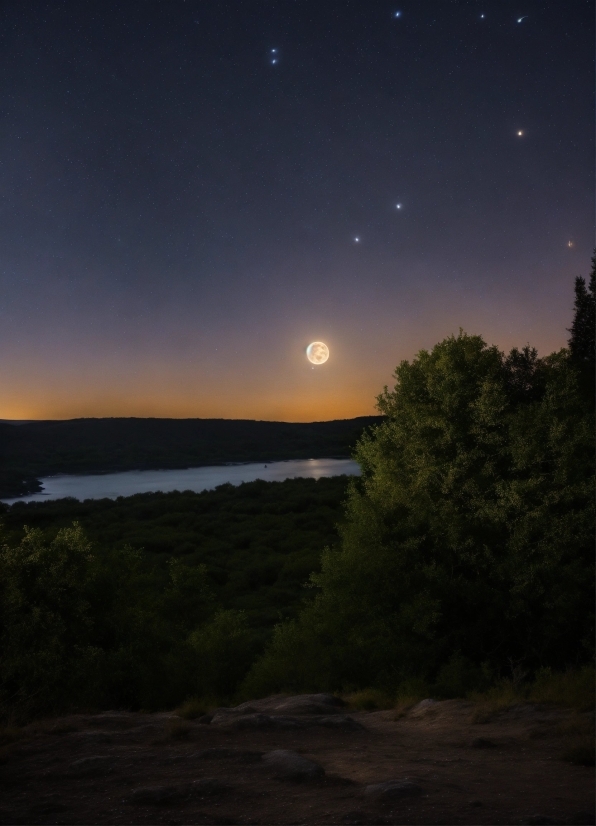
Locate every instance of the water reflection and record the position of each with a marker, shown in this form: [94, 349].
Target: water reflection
[112, 485]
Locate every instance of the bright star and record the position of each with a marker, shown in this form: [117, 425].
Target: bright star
[570, 243]
[520, 133]
[482, 16]
[357, 240]
[398, 206]
[519, 19]
[397, 14]
[273, 51]
[274, 60]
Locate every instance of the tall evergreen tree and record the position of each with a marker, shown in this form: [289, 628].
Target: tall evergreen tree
[582, 341]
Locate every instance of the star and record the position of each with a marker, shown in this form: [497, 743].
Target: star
[520, 133]
[519, 19]
[397, 14]
[274, 61]
[570, 244]
[482, 16]
[398, 206]
[357, 240]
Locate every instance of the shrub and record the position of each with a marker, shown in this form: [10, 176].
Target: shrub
[368, 699]
[572, 688]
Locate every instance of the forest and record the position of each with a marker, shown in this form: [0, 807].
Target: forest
[461, 557]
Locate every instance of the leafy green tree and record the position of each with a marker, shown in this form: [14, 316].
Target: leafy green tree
[467, 542]
[224, 649]
[82, 627]
[46, 652]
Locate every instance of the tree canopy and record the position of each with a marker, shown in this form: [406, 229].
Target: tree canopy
[467, 549]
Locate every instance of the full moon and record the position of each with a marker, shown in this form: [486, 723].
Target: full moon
[317, 352]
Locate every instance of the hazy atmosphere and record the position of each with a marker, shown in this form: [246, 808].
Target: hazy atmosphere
[192, 192]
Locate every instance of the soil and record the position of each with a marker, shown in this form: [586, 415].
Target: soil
[453, 763]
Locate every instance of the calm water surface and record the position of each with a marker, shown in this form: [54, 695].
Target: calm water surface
[111, 485]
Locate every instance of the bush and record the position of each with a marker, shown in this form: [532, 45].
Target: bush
[572, 688]
[368, 699]
[223, 649]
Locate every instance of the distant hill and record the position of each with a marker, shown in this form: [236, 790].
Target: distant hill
[42, 448]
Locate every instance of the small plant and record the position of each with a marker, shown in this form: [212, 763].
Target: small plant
[191, 709]
[368, 699]
[574, 689]
[500, 698]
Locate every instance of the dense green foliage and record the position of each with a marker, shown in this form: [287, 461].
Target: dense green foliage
[87, 621]
[467, 550]
[35, 449]
[582, 346]
[259, 541]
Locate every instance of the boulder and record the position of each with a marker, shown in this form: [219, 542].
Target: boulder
[279, 704]
[289, 765]
[341, 721]
[282, 721]
[256, 721]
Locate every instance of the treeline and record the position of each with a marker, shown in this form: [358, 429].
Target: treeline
[151, 598]
[34, 449]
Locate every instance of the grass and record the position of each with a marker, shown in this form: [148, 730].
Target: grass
[194, 707]
[571, 689]
[368, 699]
[373, 699]
[574, 689]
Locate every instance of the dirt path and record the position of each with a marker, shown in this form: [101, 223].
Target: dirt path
[123, 768]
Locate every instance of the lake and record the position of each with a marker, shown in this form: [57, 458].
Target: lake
[127, 483]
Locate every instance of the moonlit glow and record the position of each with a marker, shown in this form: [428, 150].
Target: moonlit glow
[317, 352]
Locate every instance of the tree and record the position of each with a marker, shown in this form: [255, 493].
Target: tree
[467, 541]
[582, 346]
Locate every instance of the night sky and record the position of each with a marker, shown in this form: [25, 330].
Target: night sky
[182, 184]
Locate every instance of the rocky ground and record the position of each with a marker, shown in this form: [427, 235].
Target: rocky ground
[302, 760]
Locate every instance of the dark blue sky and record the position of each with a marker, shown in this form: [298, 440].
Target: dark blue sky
[179, 212]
